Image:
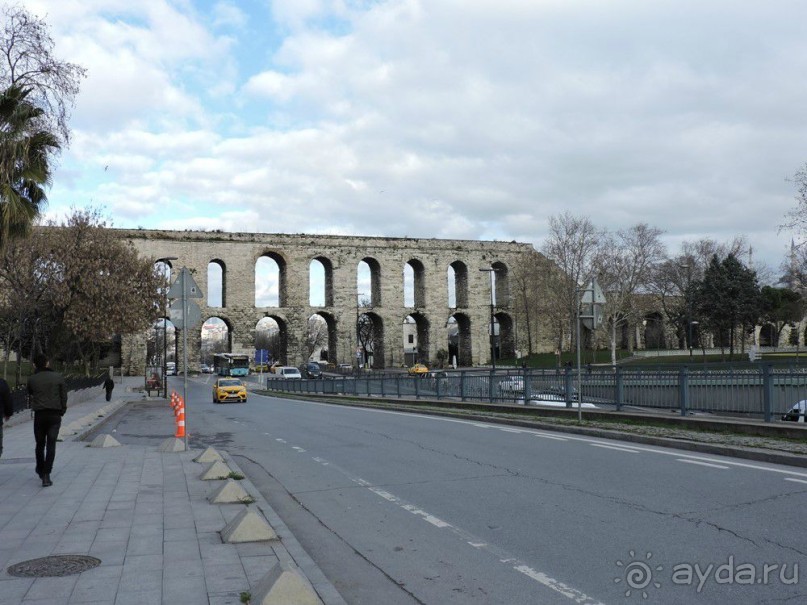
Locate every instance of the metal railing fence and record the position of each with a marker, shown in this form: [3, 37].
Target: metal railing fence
[764, 392]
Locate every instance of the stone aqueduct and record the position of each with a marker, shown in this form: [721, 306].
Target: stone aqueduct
[430, 259]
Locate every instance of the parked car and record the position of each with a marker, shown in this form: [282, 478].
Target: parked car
[313, 370]
[288, 372]
[512, 385]
[171, 368]
[206, 369]
[797, 412]
[229, 389]
[418, 370]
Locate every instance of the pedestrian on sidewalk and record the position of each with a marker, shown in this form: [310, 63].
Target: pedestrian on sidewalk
[7, 408]
[109, 384]
[47, 397]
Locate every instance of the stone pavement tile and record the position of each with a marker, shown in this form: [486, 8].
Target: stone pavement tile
[225, 578]
[185, 594]
[219, 554]
[135, 580]
[12, 590]
[52, 588]
[183, 570]
[181, 534]
[144, 562]
[227, 598]
[145, 545]
[182, 550]
[112, 534]
[74, 544]
[117, 518]
[109, 553]
[99, 584]
[147, 597]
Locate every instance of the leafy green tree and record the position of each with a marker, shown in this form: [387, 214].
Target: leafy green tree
[25, 167]
[780, 307]
[95, 285]
[727, 299]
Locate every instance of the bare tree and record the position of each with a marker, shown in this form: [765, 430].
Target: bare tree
[625, 269]
[317, 336]
[27, 60]
[573, 245]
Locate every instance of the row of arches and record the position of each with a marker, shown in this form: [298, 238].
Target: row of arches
[271, 276]
[321, 343]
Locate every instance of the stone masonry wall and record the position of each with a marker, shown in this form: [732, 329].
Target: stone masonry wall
[238, 253]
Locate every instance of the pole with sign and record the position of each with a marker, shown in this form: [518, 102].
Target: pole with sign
[185, 314]
[589, 311]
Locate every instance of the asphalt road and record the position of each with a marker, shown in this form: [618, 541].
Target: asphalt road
[403, 508]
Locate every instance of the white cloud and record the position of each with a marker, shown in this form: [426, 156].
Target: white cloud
[438, 119]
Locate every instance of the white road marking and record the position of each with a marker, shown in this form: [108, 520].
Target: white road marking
[545, 436]
[322, 461]
[299, 449]
[795, 480]
[280, 440]
[614, 447]
[509, 430]
[698, 462]
[566, 591]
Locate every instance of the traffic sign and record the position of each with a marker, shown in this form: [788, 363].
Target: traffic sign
[184, 282]
[189, 319]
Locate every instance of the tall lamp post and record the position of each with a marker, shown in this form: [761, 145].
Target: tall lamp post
[491, 270]
[164, 261]
[688, 268]
[358, 334]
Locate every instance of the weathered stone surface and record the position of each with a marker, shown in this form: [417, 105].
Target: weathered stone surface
[237, 254]
[217, 470]
[172, 444]
[248, 526]
[209, 455]
[283, 587]
[230, 493]
[105, 441]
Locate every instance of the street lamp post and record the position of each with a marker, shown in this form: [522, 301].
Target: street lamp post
[358, 334]
[492, 325]
[688, 268]
[165, 329]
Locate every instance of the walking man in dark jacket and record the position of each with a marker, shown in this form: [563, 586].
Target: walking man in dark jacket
[109, 384]
[47, 396]
[6, 408]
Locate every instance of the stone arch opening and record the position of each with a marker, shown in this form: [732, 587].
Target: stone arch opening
[320, 282]
[370, 332]
[271, 334]
[459, 345]
[368, 281]
[654, 338]
[216, 284]
[216, 337]
[416, 339]
[457, 285]
[270, 280]
[504, 336]
[321, 337]
[501, 284]
[767, 336]
[414, 278]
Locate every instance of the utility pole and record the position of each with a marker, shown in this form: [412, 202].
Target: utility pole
[492, 271]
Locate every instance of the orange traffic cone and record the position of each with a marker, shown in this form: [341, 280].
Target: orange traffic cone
[181, 422]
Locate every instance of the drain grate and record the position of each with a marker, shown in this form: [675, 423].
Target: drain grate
[53, 566]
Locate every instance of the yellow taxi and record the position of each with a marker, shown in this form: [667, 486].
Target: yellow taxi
[229, 389]
[418, 370]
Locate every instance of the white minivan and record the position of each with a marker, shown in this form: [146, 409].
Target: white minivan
[289, 372]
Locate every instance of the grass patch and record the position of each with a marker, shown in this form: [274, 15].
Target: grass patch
[236, 476]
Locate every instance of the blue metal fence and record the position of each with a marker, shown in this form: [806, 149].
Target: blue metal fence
[764, 392]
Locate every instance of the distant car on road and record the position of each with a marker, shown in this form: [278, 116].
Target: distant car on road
[171, 368]
[797, 412]
[418, 370]
[288, 372]
[229, 389]
[313, 370]
[206, 369]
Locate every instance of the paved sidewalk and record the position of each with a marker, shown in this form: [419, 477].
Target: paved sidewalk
[145, 514]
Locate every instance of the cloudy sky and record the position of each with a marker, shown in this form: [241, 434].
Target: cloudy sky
[474, 119]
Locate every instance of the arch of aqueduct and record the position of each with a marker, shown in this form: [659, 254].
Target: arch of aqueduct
[430, 259]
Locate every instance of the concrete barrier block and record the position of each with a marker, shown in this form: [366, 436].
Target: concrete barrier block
[105, 441]
[217, 470]
[248, 526]
[282, 587]
[230, 493]
[209, 455]
[172, 444]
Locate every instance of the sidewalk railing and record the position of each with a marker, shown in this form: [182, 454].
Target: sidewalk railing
[763, 392]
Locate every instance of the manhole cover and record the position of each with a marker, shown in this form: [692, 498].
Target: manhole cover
[55, 566]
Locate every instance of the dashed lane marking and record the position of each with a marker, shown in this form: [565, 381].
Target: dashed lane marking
[699, 463]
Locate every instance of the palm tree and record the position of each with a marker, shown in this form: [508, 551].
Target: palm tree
[26, 147]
